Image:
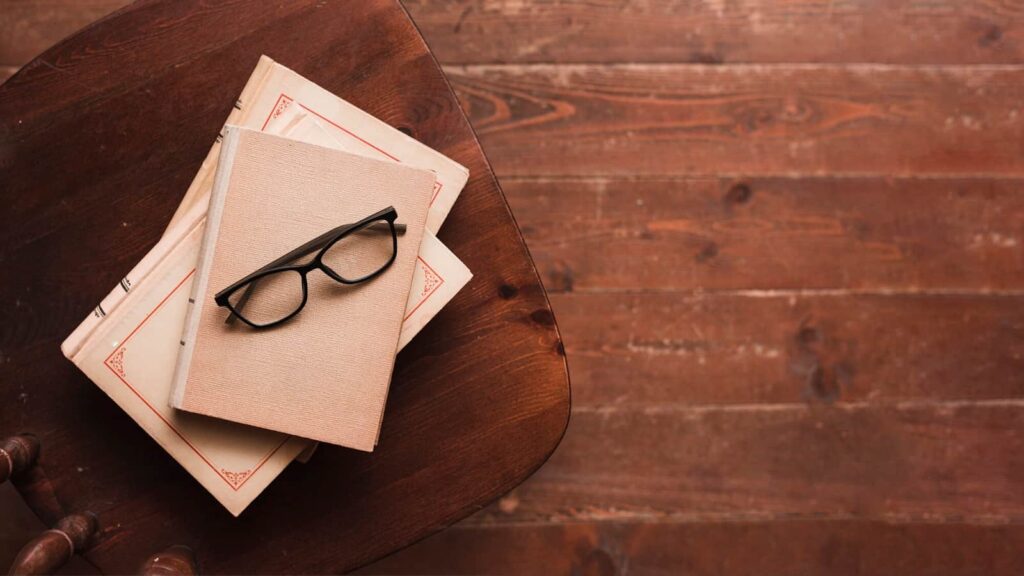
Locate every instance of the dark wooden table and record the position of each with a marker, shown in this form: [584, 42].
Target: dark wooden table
[99, 138]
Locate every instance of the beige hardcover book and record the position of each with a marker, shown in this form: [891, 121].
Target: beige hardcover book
[324, 373]
[274, 94]
[129, 346]
[276, 100]
[228, 459]
[438, 275]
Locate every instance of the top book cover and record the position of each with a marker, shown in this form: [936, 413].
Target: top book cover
[324, 373]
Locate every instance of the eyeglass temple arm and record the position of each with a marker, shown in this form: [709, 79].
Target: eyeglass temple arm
[304, 250]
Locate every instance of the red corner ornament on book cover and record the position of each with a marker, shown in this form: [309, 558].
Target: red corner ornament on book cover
[129, 345]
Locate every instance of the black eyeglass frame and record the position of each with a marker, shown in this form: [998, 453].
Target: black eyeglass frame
[326, 240]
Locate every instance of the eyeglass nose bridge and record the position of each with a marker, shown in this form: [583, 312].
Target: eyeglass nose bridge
[388, 216]
[303, 270]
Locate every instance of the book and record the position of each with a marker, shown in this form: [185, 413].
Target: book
[277, 100]
[229, 459]
[274, 96]
[438, 275]
[129, 347]
[323, 374]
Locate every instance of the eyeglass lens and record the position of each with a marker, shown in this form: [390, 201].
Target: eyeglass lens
[354, 257]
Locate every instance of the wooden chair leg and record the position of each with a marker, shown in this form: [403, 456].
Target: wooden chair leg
[16, 454]
[46, 553]
[175, 561]
[52, 549]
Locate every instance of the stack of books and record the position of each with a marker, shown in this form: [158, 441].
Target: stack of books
[303, 256]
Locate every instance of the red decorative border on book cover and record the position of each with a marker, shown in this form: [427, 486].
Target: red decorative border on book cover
[115, 362]
[282, 104]
[284, 101]
[430, 285]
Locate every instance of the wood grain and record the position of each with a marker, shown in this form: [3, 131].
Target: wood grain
[785, 239]
[652, 350]
[796, 547]
[603, 31]
[17, 454]
[779, 233]
[761, 31]
[911, 463]
[746, 121]
[20, 524]
[175, 561]
[127, 109]
[27, 27]
[53, 549]
[757, 31]
[203, 32]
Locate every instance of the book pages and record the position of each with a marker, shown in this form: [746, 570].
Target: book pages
[439, 274]
[437, 278]
[324, 372]
[131, 356]
[274, 92]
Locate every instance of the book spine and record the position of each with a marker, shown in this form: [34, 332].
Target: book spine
[80, 337]
[185, 211]
[194, 311]
[239, 112]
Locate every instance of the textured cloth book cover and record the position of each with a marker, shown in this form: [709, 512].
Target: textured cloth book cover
[130, 349]
[276, 95]
[324, 374]
[279, 101]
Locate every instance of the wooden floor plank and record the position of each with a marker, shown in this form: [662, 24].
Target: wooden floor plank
[926, 462]
[795, 548]
[649, 350]
[27, 27]
[758, 31]
[887, 31]
[790, 294]
[781, 233]
[746, 120]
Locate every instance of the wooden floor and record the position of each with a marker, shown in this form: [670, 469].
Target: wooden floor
[784, 241]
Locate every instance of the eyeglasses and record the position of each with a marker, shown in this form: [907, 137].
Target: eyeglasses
[350, 254]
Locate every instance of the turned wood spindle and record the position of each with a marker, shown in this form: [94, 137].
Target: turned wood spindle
[52, 549]
[175, 561]
[16, 454]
